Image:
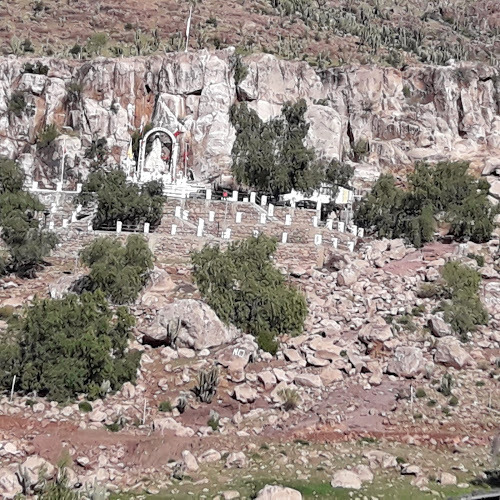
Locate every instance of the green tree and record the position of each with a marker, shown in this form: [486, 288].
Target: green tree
[119, 200]
[272, 156]
[63, 348]
[26, 242]
[120, 271]
[245, 288]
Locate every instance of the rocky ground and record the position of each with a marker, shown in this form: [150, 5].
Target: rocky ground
[366, 372]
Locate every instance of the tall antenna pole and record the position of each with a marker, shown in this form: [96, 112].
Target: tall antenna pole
[188, 26]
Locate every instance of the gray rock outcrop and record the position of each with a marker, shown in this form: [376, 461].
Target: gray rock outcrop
[200, 327]
[420, 113]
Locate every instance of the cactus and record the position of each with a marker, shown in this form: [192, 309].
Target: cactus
[207, 385]
[446, 385]
[181, 404]
[173, 329]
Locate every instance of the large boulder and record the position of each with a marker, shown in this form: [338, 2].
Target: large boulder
[36, 468]
[200, 328]
[407, 362]
[278, 493]
[169, 424]
[449, 352]
[346, 479]
[438, 326]
[375, 332]
[9, 485]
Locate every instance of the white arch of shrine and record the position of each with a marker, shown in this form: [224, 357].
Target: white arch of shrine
[161, 161]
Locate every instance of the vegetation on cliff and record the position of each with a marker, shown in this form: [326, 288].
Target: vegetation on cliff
[243, 287]
[441, 193]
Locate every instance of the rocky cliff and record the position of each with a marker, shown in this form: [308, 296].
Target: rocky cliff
[420, 113]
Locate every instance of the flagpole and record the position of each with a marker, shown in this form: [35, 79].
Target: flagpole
[188, 27]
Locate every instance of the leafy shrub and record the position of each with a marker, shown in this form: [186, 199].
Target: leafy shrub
[74, 91]
[420, 393]
[214, 420]
[6, 312]
[36, 69]
[245, 288]
[463, 309]
[17, 104]
[478, 258]
[119, 271]
[118, 200]
[47, 136]
[453, 401]
[63, 348]
[85, 407]
[429, 290]
[165, 406]
[26, 242]
[445, 191]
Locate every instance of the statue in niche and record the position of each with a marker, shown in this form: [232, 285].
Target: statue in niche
[158, 160]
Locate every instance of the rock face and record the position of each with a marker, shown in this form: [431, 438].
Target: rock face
[200, 326]
[421, 112]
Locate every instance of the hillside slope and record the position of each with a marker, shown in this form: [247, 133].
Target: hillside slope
[325, 32]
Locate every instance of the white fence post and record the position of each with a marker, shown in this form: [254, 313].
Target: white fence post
[211, 216]
[361, 232]
[335, 242]
[341, 227]
[174, 229]
[263, 218]
[270, 210]
[235, 196]
[288, 220]
[329, 224]
[65, 223]
[201, 225]
[118, 226]
[315, 221]
[146, 228]
[178, 211]
[252, 197]
[284, 237]
[208, 194]
[263, 201]
[238, 217]
[318, 239]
